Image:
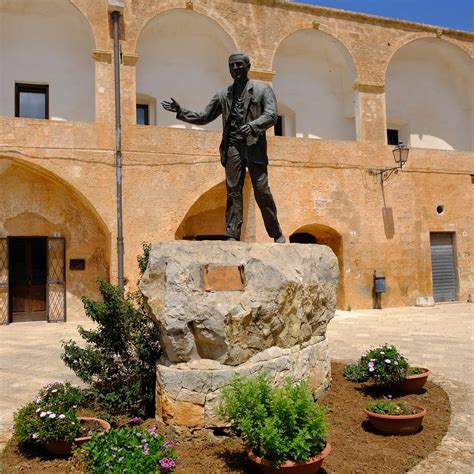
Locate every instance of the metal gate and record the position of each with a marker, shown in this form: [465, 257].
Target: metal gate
[3, 280]
[56, 280]
[443, 266]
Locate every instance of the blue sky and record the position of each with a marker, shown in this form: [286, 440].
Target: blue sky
[457, 14]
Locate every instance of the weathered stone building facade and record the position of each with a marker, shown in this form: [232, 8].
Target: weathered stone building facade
[342, 80]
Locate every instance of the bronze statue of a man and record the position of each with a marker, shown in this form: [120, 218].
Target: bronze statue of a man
[248, 108]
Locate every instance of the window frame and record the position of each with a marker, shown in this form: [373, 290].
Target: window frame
[35, 88]
[146, 108]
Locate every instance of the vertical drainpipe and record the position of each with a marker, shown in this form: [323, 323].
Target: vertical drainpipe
[118, 151]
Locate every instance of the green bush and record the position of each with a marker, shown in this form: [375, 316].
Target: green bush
[51, 415]
[278, 424]
[383, 365]
[119, 357]
[131, 450]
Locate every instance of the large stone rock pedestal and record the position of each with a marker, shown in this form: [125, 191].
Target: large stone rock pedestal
[232, 307]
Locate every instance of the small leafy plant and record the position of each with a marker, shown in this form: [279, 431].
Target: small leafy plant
[387, 407]
[278, 424]
[118, 359]
[132, 450]
[51, 415]
[383, 365]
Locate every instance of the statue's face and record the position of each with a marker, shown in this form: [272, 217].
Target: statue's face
[239, 67]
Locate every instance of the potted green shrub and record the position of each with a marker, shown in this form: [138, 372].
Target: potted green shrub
[134, 450]
[282, 426]
[397, 418]
[50, 419]
[385, 366]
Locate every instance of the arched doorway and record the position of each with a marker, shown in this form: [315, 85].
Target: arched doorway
[324, 235]
[205, 219]
[53, 246]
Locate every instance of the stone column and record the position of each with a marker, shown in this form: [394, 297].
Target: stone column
[371, 120]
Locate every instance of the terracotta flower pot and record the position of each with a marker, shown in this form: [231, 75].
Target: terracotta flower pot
[397, 424]
[64, 448]
[412, 383]
[311, 466]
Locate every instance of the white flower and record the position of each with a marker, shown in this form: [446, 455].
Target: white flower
[54, 390]
[387, 361]
[43, 414]
[62, 416]
[53, 415]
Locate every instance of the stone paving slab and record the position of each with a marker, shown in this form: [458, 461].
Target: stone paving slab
[439, 337]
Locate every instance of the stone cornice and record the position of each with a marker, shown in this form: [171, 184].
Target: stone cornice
[130, 59]
[362, 17]
[102, 56]
[261, 75]
[371, 88]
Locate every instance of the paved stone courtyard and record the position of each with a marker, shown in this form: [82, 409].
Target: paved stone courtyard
[439, 337]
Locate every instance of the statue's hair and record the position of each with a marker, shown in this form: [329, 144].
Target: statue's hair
[243, 55]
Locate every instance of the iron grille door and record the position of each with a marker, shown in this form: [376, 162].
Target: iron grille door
[3, 280]
[443, 268]
[56, 280]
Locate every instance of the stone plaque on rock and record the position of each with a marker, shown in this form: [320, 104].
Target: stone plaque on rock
[223, 278]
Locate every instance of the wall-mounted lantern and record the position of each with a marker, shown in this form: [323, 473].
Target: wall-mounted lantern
[400, 155]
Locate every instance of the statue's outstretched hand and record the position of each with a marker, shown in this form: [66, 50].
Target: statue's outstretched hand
[172, 106]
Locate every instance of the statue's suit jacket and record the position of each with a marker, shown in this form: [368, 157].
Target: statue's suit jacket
[260, 111]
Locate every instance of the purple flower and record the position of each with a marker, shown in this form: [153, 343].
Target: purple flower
[62, 416]
[167, 463]
[34, 435]
[136, 420]
[138, 434]
[42, 414]
[152, 431]
[388, 397]
[371, 369]
[120, 458]
[53, 415]
[168, 444]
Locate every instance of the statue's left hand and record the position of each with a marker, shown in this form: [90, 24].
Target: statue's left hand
[245, 130]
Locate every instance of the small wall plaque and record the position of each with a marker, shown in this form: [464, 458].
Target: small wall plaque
[223, 277]
[77, 264]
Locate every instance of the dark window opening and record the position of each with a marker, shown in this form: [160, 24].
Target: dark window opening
[279, 127]
[32, 101]
[392, 136]
[143, 114]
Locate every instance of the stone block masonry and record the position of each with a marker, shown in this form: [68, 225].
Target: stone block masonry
[274, 321]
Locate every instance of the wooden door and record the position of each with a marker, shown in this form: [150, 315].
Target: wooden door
[28, 278]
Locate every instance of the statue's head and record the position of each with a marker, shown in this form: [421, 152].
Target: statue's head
[239, 66]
